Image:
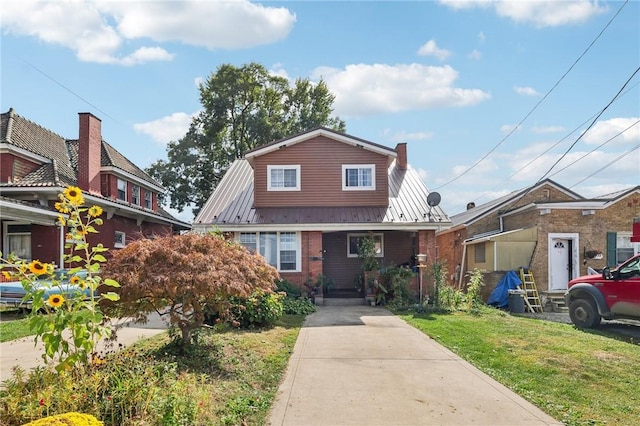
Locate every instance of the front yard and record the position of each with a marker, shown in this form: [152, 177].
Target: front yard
[578, 377]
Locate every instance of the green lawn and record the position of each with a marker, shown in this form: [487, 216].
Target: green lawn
[13, 324]
[578, 377]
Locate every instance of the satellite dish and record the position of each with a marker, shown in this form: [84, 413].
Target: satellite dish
[433, 199]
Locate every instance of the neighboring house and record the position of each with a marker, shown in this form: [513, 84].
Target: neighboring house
[555, 232]
[305, 202]
[36, 165]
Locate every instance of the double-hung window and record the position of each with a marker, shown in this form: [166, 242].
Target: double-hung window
[358, 177]
[147, 199]
[283, 178]
[122, 190]
[135, 195]
[280, 249]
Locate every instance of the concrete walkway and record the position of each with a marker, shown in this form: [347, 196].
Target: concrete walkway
[360, 365]
[26, 355]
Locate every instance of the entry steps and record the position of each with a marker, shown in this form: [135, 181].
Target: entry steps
[531, 297]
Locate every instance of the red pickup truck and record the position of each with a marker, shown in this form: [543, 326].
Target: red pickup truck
[614, 294]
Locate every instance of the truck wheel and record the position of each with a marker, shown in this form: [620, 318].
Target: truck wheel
[584, 314]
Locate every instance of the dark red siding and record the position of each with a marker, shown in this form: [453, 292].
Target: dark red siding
[320, 161]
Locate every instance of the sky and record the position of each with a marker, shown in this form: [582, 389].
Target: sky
[490, 96]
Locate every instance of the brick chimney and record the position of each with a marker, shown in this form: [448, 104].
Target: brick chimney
[89, 149]
[401, 160]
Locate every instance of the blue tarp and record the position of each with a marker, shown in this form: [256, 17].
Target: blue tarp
[499, 297]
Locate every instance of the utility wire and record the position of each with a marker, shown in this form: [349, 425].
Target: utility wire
[538, 103]
[567, 136]
[594, 149]
[581, 135]
[67, 89]
[607, 165]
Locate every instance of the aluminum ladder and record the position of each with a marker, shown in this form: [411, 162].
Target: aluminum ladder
[531, 297]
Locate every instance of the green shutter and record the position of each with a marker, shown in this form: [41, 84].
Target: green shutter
[611, 249]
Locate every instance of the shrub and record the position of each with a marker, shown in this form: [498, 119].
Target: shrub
[189, 277]
[258, 310]
[298, 306]
[292, 290]
[67, 419]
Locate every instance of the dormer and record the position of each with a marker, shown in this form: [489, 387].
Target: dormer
[321, 167]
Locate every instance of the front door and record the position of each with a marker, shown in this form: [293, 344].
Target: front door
[559, 263]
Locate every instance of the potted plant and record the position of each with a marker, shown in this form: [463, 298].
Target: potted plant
[370, 267]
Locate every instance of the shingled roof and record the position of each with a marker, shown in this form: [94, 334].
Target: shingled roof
[63, 153]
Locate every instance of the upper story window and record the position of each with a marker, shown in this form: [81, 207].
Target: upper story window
[148, 203]
[122, 189]
[358, 177]
[283, 178]
[135, 195]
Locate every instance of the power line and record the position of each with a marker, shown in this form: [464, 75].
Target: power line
[607, 165]
[538, 103]
[594, 150]
[581, 135]
[67, 89]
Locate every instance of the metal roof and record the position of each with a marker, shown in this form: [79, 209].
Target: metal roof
[231, 207]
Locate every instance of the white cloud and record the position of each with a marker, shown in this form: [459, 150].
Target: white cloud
[602, 131]
[166, 129]
[508, 128]
[547, 129]
[363, 89]
[481, 37]
[430, 48]
[527, 91]
[543, 13]
[475, 54]
[407, 136]
[97, 30]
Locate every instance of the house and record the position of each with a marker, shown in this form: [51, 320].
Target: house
[306, 201]
[36, 165]
[548, 228]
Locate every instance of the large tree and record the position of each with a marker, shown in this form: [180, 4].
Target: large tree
[243, 108]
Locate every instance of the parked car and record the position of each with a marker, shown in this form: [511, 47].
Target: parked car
[613, 294]
[12, 294]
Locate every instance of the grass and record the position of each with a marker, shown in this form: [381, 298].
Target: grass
[578, 377]
[14, 324]
[228, 378]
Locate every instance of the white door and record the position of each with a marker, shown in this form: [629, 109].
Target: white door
[559, 264]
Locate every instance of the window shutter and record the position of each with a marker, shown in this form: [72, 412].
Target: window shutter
[611, 249]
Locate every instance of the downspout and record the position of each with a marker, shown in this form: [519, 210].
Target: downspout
[464, 255]
[62, 239]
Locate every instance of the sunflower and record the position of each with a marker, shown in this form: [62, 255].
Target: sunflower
[75, 279]
[6, 275]
[37, 267]
[74, 195]
[95, 211]
[55, 300]
[61, 208]
[61, 220]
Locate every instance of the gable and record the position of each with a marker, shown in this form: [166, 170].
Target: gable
[320, 161]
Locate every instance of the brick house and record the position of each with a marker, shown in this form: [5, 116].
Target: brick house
[36, 165]
[555, 232]
[304, 202]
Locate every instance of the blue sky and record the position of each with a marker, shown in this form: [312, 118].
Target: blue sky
[488, 95]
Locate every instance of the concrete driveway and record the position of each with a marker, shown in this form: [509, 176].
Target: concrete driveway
[360, 365]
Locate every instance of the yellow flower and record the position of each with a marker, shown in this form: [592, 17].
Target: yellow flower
[6, 275]
[55, 300]
[75, 279]
[74, 195]
[95, 211]
[61, 220]
[37, 267]
[61, 208]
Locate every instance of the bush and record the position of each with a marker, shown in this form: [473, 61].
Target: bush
[298, 306]
[67, 419]
[258, 310]
[292, 290]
